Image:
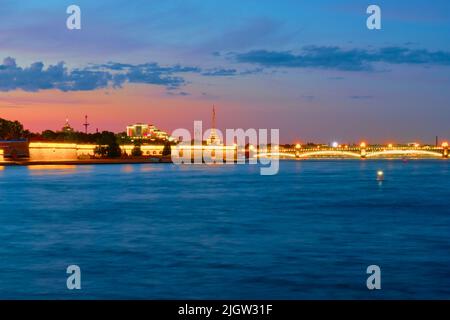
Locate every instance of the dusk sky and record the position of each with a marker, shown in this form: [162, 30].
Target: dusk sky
[310, 68]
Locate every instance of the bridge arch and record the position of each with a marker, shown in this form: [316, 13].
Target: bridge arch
[278, 154]
[403, 152]
[312, 154]
[329, 153]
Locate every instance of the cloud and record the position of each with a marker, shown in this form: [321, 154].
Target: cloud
[220, 72]
[343, 59]
[252, 71]
[182, 93]
[100, 76]
[149, 73]
[36, 77]
[229, 72]
[151, 67]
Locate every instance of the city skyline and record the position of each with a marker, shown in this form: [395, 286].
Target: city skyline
[314, 71]
[89, 128]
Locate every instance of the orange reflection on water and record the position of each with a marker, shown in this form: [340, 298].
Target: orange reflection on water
[149, 167]
[128, 168]
[52, 169]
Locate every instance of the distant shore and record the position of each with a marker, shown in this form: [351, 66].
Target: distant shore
[85, 162]
[169, 161]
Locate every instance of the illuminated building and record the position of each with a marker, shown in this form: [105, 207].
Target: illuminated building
[48, 151]
[147, 131]
[67, 127]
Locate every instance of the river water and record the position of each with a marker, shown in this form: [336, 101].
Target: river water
[160, 231]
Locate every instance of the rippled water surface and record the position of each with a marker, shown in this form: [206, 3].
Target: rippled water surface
[158, 231]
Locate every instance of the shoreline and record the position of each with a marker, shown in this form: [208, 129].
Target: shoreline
[84, 162]
[169, 161]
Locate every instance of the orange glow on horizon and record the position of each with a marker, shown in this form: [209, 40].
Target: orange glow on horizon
[111, 109]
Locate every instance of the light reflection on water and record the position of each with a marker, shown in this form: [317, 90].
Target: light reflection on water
[164, 231]
[59, 169]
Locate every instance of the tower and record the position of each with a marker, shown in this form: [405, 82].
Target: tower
[86, 124]
[213, 137]
[213, 122]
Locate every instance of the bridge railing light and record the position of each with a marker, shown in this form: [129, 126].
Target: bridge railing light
[445, 144]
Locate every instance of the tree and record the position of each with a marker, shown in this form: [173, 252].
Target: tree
[49, 135]
[11, 130]
[108, 141]
[100, 151]
[136, 152]
[123, 138]
[167, 151]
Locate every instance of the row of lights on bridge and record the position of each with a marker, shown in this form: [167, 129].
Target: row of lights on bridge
[364, 145]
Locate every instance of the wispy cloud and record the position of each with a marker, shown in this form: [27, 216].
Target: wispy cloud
[230, 72]
[99, 76]
[343, 59]
[220, 72]
[181, 94]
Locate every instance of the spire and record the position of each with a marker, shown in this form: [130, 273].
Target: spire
[86, 124]
[214, 118]
[213, 137]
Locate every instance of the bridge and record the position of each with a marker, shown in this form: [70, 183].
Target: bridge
[362, 151]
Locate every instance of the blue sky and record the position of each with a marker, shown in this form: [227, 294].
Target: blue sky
[311, 68]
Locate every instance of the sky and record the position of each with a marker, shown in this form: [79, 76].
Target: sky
[309, 68]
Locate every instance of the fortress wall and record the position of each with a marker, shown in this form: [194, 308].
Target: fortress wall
[85, 151]
[147, 150]
[41, 151]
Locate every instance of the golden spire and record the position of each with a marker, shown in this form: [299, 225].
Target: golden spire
[213, 137]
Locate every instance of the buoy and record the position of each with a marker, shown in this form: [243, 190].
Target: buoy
[380, 175]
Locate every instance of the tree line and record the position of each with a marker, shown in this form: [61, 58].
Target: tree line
[108, 143]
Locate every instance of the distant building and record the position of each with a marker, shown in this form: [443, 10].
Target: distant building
[67, 127]
[147, 131]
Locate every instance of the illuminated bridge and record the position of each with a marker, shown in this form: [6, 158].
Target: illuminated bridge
[358, 152]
